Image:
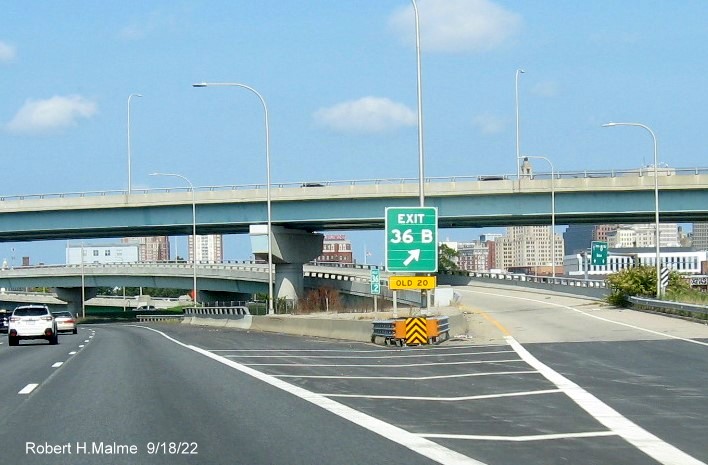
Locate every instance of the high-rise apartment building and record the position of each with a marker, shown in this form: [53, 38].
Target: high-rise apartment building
[528, 246]
[700, 236]
[150, 249]
[209, 248]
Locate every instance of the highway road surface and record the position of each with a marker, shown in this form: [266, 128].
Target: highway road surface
[543, 380]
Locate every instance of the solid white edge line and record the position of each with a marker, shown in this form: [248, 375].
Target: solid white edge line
[535, 437]
[640, 438]
[29, 388]
[422, 446]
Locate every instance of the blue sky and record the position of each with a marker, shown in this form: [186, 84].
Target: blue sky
[339, 78]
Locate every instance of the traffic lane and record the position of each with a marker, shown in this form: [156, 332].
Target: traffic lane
[545, 425]
[660, 385]
[135, 387]
[31, 363]
[538, 318]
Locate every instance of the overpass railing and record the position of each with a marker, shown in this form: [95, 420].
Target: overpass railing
[639, 172]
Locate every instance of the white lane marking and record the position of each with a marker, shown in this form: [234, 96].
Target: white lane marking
[382, 349]
[86, 340]
[607, 320]
[81, 345]
[402, 365]
[535, 437]
[73, 352]
[642, 439]
[411, 378]
[90, 337]
[29, 388]
[422, 446]
[448, 399]
[358, 357]
[57, 364]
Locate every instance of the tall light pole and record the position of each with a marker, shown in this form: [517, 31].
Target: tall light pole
[553, 212]
[518, 153]
[656, 200]
[421, 165]
[271, 310]
[130, 187]
[194, 231]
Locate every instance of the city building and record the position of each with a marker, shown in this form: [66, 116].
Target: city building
[577, 237]
[687, 261]
[208, 248]
[700, 236]
[151, 249]
[103, 254]
[528, 249]
[336, 248]
[644, 235]
[473, 256]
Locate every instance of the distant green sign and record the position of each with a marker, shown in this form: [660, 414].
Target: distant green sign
[598, 250]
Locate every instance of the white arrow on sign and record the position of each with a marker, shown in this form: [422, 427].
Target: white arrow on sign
[412, 255]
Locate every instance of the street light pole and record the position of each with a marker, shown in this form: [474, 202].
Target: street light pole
[130, 187]
[271, 309]
[421, 165]
[194, 231]
[656, 200]
[553, 212]
[518, 153]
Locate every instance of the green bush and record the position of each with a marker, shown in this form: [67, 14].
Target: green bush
[640, 282]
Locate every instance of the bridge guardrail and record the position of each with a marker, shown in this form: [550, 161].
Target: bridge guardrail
[152, 318]
[640, 172]
[673, 307]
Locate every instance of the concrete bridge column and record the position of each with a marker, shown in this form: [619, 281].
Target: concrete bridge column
[72, 297]
[291, 249]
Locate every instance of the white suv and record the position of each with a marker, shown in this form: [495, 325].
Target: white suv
[32, 322]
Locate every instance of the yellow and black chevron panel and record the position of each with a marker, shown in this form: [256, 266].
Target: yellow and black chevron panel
[416, 331]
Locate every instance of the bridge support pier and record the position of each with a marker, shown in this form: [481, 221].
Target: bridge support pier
[291, 249]
[72, 297]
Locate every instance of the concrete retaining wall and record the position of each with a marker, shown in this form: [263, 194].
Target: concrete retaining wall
[333, 328]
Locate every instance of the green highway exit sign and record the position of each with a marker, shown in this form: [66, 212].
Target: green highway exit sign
[598, 250]
[412, 239]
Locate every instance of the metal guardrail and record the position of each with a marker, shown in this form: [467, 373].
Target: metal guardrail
[665, 305]
[152, 318]
[239, 310]
[638, 172]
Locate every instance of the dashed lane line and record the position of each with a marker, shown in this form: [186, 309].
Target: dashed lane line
[57, 364]
[29, 388]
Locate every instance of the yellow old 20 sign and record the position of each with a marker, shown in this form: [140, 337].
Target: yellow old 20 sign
[397, 283]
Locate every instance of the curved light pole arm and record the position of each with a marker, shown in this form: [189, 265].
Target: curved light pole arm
[656, 200]
[271, 309]
[194, 231]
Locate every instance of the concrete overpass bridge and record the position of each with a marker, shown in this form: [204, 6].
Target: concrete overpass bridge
[216, 282]
[300, 210]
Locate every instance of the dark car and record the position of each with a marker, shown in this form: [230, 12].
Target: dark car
[4, 320]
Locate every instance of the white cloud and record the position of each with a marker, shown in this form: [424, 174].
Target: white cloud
[488, 124]
[367, 115]
[7, 52]
[457, 25]
[546, 89]
[58, 112]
